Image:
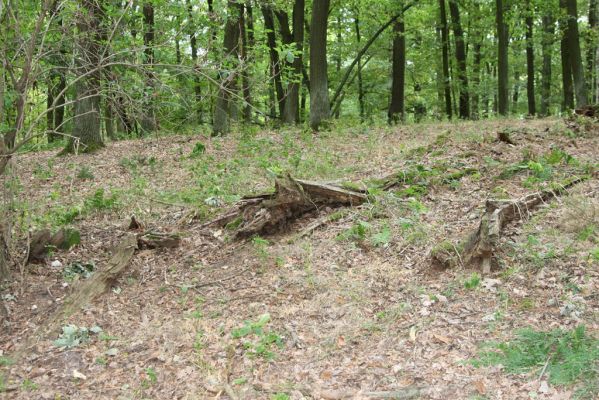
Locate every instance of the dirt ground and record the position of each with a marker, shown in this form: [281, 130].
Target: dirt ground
[339, 313]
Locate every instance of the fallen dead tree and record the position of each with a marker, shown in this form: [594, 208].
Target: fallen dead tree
[292, 198]
[478, 248]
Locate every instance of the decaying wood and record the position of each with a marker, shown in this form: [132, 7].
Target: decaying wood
[504, 137]
[292, 198]
[158, 240]
[88, 290]
[478, 248]
[43, 241]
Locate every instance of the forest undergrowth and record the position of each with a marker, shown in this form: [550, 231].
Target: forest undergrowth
[351, 308]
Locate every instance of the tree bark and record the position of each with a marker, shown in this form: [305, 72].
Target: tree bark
[547, 45]
[193, 43]
[460, 53]
[567, 83]
[530, 60]
[228, 73]
[86, 133]
[592, 48]
[396, 111]
[244, 21]
[580, 87]
[445, 55]
[502, 59]
[319, 86]
[291, 112]
[361, 101]
[148, 121]
[275, 63]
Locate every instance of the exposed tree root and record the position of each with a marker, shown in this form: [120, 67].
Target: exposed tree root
[266, 214]
[478, 248]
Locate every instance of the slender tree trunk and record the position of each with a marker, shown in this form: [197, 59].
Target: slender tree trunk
[592, 48]
[291, 112]
[567, 83]
[337, 110]
[476, 79]
[109, 120]
[148, 121]
[319, 86]
[245, 49]
[397, 107]
[445, 55]
[580, 87]
[197, 88]
[51, 136]
[547, 44]
[275, 63]
[530, 60]
[360, 81]
[86, 133]
[516, 92]
[502, 59]
[228, 73]
[460, 53]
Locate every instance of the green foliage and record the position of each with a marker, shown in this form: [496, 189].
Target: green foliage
[5, 361]
[280, 396]
[198, 149]
[99, 201]
[382, 238]
[85, 173]
[78, 269]
[473, 281]
[569, 356]
[264, 340]
[73, 336]
[357, 232]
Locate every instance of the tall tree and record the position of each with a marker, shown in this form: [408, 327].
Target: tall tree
[148, 121]
[291, 110]
[246, 26]
[460, 53]
[86, 135]
[396, 111]
[567, 82]
[530, 60]
[319, 84]
[547, 48]
[275, 63]
[227, 73]
[502, 58]
[592, 47]
[445, 55]
[580, 87]
[361, 102]
[193, 43]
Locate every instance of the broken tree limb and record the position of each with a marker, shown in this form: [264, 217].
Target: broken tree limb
[87, 290]
[479, 247]
[292, 198]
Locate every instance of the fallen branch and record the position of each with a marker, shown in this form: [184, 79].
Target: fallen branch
[268, 213]
[478, 248]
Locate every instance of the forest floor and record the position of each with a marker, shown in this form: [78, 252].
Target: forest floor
[353, 308]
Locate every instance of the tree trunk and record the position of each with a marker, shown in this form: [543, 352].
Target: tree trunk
[530, 60]
[109, 120]
[197, 88]
[245, 49]
[516, 92]
[502, 59]
[291, 112]
[361, 102]
[396, 111]
[228, 73]
[319, 87]
[86, 133]
[592, 48]
[445, 55]
[460, 53]
[567, 83]
[148, 121]
[580, 87]
[275, 63]
[476, 79]
[337, 110]
[547, 44]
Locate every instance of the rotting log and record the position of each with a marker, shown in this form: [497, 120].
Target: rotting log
[292, 198]
[86, 291]
[479, 246]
